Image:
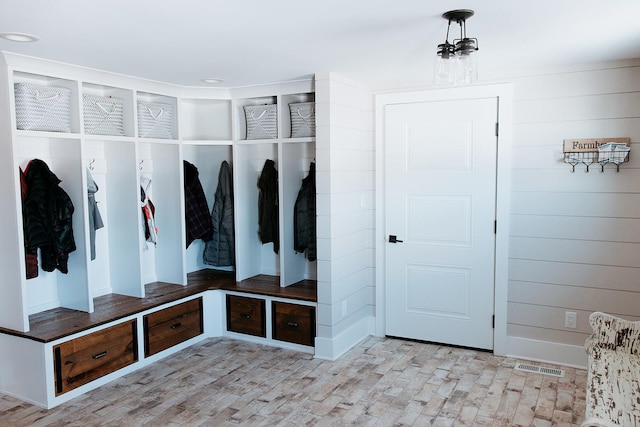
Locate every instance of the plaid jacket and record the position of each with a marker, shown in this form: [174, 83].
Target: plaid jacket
[198, 219]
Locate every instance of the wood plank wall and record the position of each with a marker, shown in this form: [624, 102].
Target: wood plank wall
[345, 151]
[574, 237]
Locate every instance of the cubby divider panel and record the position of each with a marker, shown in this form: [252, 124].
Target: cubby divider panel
[252, 256]
[207, 159]
[56, 289]
[296, 161]
[163, 260]
[116, 270]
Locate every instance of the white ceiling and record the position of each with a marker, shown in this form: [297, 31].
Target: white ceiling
[381, 43]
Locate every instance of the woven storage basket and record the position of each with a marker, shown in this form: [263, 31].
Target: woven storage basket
[40, 107]
[102, 116]
[261, 121]
[155, 120]
[303, 119]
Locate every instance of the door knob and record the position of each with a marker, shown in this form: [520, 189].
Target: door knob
[394, 239]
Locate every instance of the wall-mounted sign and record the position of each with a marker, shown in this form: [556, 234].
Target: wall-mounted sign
[596, 150]
[590, 144]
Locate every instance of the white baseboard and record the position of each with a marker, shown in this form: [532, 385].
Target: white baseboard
[43, 307]
[333, 348]
[548, 352]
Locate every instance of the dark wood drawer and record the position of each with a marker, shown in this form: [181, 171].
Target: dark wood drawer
[246, 315]
[84, 359]
[294, 323]
[171, 326]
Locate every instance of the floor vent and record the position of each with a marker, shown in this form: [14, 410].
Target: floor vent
[539, 370]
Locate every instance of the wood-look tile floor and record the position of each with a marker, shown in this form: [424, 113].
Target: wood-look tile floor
[381, 382]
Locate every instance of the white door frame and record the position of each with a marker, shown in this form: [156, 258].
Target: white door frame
[503, 92]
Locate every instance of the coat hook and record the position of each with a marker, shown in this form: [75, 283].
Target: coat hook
[91, 164]
[140, 164]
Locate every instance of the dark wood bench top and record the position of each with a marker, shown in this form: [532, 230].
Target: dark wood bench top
[58, 323]
[305, 290]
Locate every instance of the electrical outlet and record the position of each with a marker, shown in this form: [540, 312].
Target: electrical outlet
[570, 319]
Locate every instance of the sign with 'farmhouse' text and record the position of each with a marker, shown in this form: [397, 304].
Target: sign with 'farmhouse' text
[590, 144]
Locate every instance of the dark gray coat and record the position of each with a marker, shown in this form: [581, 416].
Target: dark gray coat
[220, 251]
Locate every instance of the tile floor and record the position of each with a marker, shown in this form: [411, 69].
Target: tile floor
[380, 382]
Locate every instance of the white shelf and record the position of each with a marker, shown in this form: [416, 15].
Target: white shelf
[109, 139]
[204, 119]
[207, 143]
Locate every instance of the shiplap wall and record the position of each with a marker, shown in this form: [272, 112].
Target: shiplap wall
[574, 237]
[345, 207]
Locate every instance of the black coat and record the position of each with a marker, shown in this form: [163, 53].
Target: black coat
[47, 217]
[304, 216]
[268, 205]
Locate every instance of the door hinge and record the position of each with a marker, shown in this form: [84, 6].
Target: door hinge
[497, 128]
[493, 321]
[495, 227]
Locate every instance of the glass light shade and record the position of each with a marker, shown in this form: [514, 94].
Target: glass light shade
[466, 68]
[445, 70]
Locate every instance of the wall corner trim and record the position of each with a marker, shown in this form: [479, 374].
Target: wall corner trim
[333, 348]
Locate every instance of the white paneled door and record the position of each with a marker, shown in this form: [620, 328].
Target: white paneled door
[440, 178]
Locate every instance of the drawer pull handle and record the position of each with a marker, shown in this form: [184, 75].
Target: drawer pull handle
[176, 325]
[99, 355]
[247, 316]
[292, 324]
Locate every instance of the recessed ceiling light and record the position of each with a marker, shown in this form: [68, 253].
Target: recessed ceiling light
[213, 80]
[19, 37]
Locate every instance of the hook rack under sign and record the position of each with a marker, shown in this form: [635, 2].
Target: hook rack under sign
[596, 150]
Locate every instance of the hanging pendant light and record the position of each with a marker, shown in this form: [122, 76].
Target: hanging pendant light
[445, 65]
[456, 62]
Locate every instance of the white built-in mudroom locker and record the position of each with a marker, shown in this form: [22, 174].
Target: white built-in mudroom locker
[138, 286]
